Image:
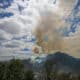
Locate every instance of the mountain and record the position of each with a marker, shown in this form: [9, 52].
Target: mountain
[64, 62]
[38, 64]
[59, 61]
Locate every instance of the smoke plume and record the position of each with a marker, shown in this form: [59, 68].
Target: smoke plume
[49, 38]
[47, 33]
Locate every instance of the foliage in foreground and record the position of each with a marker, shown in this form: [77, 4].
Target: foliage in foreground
[15, 70]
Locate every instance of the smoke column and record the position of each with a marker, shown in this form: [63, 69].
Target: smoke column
[47, 32]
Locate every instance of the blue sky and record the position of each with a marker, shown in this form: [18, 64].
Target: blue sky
[18, 18]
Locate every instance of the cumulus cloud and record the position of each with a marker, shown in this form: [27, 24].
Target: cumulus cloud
[66, 6]
[11, 25]
[15, 49]
[5, 51]
[9, 53]
[4, 36]
[14, 44]
[16, 30]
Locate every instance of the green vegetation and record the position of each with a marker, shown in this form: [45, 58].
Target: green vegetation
[29, 75]
[16, 70]
[52, 72]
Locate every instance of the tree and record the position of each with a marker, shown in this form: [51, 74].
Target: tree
[14, 70]
[29, 75]
[50, 69]
[2, 70]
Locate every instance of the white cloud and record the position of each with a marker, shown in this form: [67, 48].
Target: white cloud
[8, 53]
[66, 6]
[5, 51]
[14, 44]
[4, 36]
[22, 24]
[11, 25]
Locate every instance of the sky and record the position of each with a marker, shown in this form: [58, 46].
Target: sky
[20, 19]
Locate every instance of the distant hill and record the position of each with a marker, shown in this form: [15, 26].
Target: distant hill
[64, 62]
